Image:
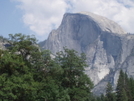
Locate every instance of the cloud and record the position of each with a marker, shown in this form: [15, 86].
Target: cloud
[120, 11]
[41, 16]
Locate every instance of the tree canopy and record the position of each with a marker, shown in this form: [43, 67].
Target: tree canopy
[29, 74]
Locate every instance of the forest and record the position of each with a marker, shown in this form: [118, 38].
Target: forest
[28, 73]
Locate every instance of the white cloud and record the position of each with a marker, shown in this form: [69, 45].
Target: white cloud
[41, 16]
[120, 11]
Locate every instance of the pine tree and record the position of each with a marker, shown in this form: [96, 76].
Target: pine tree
[17, 70]
[110, 96]
[127, 87]
[74, 79]
[103, 97]
[123, 89]
[20, 66]
[28, 74]
[124, 96]
[131, 86]
[120, 85]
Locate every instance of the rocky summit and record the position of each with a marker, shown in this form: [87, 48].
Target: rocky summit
[107, 46]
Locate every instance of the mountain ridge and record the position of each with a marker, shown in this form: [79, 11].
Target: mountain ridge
[107, 46]
[103, 22]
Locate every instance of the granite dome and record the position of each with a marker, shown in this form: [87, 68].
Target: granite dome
[106, 45]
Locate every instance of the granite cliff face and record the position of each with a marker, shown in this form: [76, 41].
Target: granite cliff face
[107, 47]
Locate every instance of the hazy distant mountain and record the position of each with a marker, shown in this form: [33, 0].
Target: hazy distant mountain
[107, 46]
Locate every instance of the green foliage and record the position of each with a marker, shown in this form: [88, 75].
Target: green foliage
[73, 78]
[124, 96]
[125, 88]
[110, 96]
[28, 74]
[16, 72]
[131, 86]
[120, 86]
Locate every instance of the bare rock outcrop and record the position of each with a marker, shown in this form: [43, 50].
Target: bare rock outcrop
[107, 46]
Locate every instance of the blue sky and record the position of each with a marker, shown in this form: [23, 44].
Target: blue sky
[11, 19]
[40, 17]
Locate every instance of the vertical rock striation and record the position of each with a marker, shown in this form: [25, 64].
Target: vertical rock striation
[107, 46]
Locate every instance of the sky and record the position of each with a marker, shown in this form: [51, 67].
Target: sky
[40, 17]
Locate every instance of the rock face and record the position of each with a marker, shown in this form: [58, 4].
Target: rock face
[107, 47]
[3, 42]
